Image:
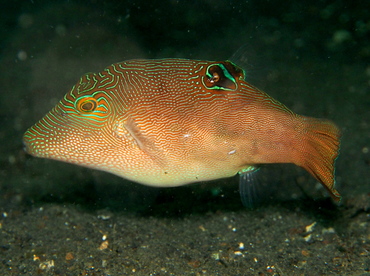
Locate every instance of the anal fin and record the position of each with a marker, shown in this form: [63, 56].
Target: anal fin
[248, 184]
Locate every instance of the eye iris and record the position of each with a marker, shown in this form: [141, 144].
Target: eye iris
[87, 105]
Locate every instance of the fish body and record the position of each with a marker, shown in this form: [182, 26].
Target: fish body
[171, 122]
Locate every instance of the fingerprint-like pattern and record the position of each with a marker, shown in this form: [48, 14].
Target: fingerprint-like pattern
[173, 121]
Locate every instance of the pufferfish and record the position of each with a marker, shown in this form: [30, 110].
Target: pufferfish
[170, 122]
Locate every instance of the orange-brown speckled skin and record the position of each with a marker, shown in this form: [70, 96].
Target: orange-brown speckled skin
[163, 123]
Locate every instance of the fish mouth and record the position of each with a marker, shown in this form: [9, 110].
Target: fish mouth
[25, 146]
[33, 144]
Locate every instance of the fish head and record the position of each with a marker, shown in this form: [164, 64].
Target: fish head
[76, 130]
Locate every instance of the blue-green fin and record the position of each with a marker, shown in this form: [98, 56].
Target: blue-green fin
[248, 183]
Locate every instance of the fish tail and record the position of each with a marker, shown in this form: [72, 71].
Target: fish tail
[319, 148]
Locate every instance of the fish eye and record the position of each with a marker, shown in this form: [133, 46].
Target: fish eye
[86, 104]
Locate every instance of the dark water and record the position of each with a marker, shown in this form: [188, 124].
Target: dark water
[312, 56]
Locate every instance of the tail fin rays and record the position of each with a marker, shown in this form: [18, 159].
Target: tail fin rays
[319, 150]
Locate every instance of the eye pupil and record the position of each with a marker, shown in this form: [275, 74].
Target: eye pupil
[87, 106]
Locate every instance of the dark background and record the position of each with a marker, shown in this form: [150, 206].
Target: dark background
[313, 56]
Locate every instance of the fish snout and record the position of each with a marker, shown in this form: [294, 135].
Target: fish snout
[29, 140]
[25, 145]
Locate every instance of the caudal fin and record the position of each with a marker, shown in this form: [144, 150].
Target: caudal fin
[318, 150]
